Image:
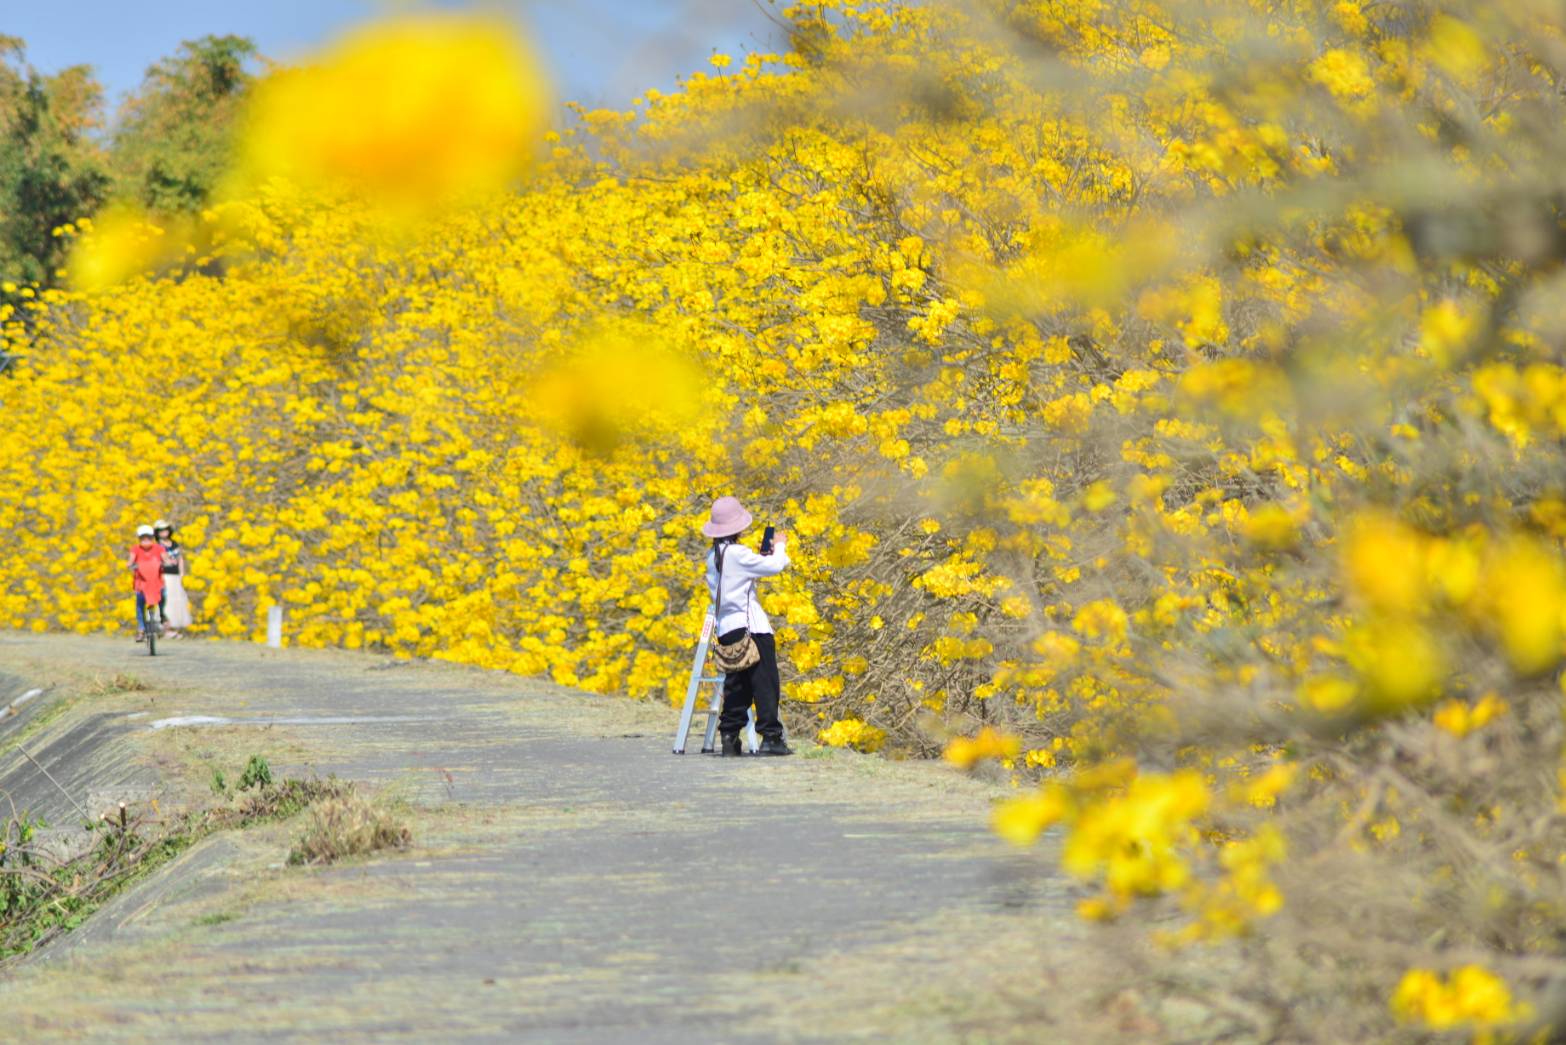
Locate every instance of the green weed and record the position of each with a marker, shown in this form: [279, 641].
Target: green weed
[41, 897]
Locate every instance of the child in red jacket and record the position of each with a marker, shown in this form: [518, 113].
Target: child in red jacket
[147, 559]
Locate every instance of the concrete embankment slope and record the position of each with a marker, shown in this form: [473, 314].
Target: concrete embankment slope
[570, 879]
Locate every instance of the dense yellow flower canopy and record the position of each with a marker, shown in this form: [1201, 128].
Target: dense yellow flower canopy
[1164, 397]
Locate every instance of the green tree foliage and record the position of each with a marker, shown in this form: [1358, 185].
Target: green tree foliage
[51, 168]
[174, 136]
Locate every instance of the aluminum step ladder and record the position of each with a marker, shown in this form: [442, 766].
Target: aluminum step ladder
[714, 706]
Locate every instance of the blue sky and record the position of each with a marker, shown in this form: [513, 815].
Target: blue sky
[602, 52]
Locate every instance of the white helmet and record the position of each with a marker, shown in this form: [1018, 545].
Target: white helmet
[143, 531]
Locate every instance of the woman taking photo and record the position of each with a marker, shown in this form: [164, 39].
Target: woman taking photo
[744, 632]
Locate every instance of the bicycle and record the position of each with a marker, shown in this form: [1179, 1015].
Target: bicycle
[154, 621]
[148, 617]
[151, 625]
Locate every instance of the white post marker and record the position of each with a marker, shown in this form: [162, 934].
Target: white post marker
[274, 627]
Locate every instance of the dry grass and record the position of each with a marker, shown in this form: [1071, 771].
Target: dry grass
[347, 825]
[119, 682]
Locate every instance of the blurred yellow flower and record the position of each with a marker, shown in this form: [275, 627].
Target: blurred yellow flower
[122, 242]
[1384, 563]
[1263, 791]
[1523, 594]
[1155, 57]
[1098, 496]
[1445, 330]
[1399, 661]
[967, 752]
[1471, 996]
[1021, 820]
[1453, 567]
[1455, 48]
[1272, 527]
[1328, 694]
[1344, 73]
[1459, 718]
[1245, 892]
[1101, 619]
[617, 384]
[1133, 838]
[411, 114]
[854, 733]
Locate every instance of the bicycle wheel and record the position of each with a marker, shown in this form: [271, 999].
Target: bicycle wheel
[152, 638]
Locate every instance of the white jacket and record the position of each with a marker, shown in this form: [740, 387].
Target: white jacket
[739, 607]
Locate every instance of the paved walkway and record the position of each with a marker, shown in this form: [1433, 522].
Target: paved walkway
[571, 879]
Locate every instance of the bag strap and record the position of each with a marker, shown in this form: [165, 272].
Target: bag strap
[717, 596]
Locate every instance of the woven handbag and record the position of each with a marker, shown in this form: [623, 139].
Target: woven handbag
[742, 653]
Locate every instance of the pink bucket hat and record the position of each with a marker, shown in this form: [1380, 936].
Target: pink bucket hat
[729, 517]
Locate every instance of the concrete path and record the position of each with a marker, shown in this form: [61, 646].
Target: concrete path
[570, 879]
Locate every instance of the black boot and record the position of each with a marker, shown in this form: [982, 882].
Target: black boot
[730, 745]
[775, 746]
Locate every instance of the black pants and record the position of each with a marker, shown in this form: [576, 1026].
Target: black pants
[757, 684]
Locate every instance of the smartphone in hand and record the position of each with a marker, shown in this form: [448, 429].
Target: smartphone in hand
[766, 540]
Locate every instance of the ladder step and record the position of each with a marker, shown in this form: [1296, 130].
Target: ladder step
[708, 727]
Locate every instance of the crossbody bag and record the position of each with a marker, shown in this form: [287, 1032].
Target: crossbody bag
[741, 653]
